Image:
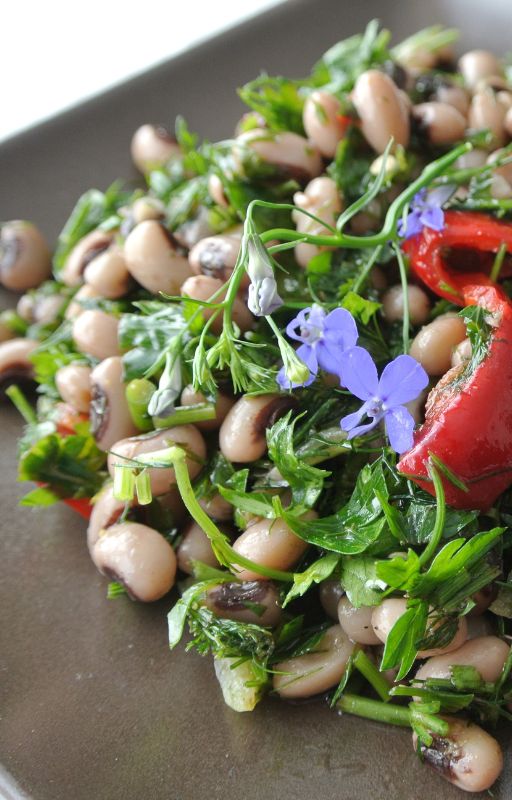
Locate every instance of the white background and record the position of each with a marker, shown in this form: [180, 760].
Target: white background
[55, 54]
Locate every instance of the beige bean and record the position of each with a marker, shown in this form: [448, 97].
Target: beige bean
[202, 287]
[25, 259]
[454, 96]
[442, 123]
[194, 229]
[88, 247]
[323, 122]
[390, 610]
[505, 98]
[138, 557]
[462, 353]
[468, 757]
[162, 479]
[242, 435]
[216, 256]
[254, 602]
[487, 654]
[474, 158]
[109, 413]
[217, 507]
[95, 333]
[108, 275]
[486, 113]
[357, 622]
[270, 543]
[433, 345]
[152, 146]
[152, 257]
[80, 298]
[381, 110]
[74, 384]
[393, 304]
[321, 198]
[505, 170]
[483, 599]
[106, 511]
[330, 592]
[15, 363]
[43, 309]
[478, 64]
[223, 403]
[194, 546]
[316, 671]
[216, 191]
[292, 155]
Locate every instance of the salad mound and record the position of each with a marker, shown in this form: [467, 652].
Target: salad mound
[278, 378]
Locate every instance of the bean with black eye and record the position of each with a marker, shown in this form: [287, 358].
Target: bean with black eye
[393, 304]
[73, 382]
[323, 122]
[357, 622]
[390, 610]
[43, 309]
[15, 363]
[292, 155]
[78, 304]
[216, 256]
[487, 654]
[434, 344]
[442, 123]
[89, 247]
[25, 259]
[242, 435]
[138, 557]
[223, 403]
[216, 191]
[270, 543]
[95, 333]
[194, 546]
[152, 146]
[162, 479]
[255, 602]
[381, 110]
[217, 507]
[466, 756]
[487, 113]
[478, 64]
[454, 96]
[154, 259]
[330, 592]
[109, 413]
[108, 274]
[106, 511]
[202, 287]
[316, 671]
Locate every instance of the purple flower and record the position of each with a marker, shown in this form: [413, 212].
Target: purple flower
[324, 337]
[426, 211]
[401, 381]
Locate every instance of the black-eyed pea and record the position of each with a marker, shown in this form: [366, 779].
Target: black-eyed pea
[194, 546]
[242, 435]
[466, 756]
[216, 256]
[393, 304]
[390, 610]
[254, 602]
[323, 122]
[381, 110]
[487, 654]
[162, 479]
[79, 301]
[505, 170]
[316, 671]
[292, 155]
[152, 146]
[441, 122]
[455, 96]
[471, 159]
[223, 403]
[330, 593]
[109, 413]
[320, 197]
[138, 557]
[216, 191]
[15, 363]
[357, 622]
[202, 287]
[487, 113]
[478, 64]
[95, 333]
[25, 259]
[106, 511]
[271, 543]
[434, 344]
[108, 274]
[154, 258]
[88, 248]
[217, 507]
[74, 384]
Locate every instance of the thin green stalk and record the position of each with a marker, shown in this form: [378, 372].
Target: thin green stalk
[366, 269]
[389, 713]
[498, 262]
[405, 294]
[437, 532]
[21, 404]
[369, 671]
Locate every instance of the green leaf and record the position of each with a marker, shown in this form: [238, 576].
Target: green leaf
[256, 503]
[305, 481]
[397, 572]
[277, 100]
[360, 581]
[145, 337]
[39, 497]
[319, 571]
[402, 642]
[359, 307]
[342, 64]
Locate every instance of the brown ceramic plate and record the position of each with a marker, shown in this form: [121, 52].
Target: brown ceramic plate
[94, 706]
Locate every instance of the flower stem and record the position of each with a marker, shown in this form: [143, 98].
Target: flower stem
[389, 713]
[369, 671]
[405, 294]
[440, 516]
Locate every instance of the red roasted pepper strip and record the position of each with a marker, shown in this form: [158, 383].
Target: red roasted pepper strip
[468, 424]
[462, 230]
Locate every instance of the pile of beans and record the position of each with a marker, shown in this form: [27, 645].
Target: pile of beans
[196, 262]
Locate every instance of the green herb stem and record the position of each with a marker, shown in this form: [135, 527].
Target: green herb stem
[437, 532]
[405, 294]
[184, 415]
[388, 713]
[21, 404]
[369, 671]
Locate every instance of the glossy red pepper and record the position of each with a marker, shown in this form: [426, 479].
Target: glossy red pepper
[465, 233]
[469, 422]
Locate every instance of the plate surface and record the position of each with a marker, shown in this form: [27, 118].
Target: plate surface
[93, 705]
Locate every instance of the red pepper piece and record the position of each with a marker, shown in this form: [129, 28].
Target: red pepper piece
[468, 424]
[462, 231]
[82, 506]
